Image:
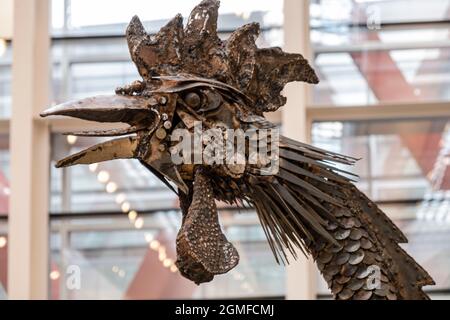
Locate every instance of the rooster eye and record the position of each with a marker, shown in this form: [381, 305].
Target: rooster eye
[192, 100]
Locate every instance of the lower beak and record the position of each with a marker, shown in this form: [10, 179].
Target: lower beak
[134, 110]
[123, 148]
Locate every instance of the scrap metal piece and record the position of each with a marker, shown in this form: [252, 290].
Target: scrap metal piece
[363, 295]
[124, 148]
[113, 108]
[106, 133]
[202, 248]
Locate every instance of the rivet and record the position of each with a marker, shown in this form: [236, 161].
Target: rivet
[167, 125]
[165, 116]
[152, 101]
[161, 133]
[162, 100]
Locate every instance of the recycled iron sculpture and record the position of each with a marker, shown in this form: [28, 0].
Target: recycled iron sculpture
[190, 75]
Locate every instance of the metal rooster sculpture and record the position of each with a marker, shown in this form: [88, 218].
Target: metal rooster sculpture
[190, 76]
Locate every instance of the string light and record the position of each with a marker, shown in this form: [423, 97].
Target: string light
[139, 223]
[162, 254]
[2, 46]
[125, 207]
[154, 245]
[132, 215]
[173, 268]
[72, 139]
[167, 263]
[103, 176]
[120, 198]
[54, 275]
[6, 191]
[3, 242]
[148, 237]
[111, 187]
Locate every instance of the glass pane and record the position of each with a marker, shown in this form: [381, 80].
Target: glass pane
[5, 78]
[83, 188]
[81, 16]
[3, 256]
[405, 168]
[373, 52]
[401, 160]
[102, 226]
[394, 76]
[117, 262]
[4, 202]
[325, 13]
[81, 68]
[89, 66]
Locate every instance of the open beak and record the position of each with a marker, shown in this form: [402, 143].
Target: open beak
[134, 110]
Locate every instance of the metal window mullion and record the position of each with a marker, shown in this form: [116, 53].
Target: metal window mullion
[28, 250]
[301, 275]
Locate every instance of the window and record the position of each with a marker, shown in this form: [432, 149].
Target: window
[108, 218]
[118, 261]
[5, 78]
[391, 56]
[5, 107]
[374, 52]
[4, 200]
[404, 169]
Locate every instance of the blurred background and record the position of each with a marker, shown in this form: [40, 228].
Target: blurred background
[384, 96]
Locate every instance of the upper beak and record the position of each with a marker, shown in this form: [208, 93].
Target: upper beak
[113, 108]
[135, 110]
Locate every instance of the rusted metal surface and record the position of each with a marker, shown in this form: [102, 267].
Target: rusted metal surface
[189, 75]
[203, 250]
